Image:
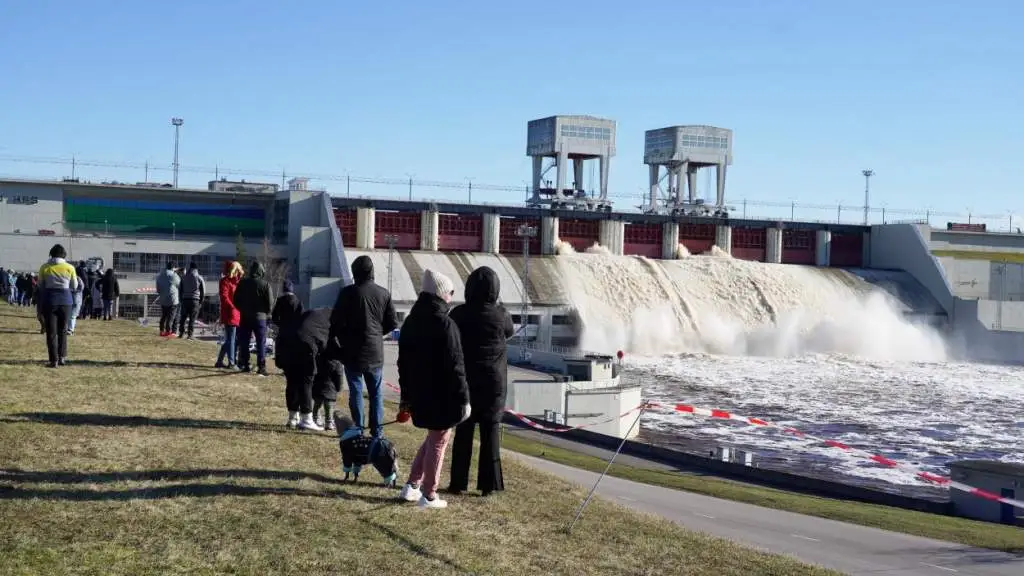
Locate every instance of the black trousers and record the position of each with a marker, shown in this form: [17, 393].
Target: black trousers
[189, 311]
[488, 478]
[55, 321]
[298, 377]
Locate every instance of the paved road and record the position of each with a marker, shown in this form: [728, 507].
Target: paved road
[848, 548]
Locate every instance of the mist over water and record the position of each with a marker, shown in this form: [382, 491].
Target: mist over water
[719, 305]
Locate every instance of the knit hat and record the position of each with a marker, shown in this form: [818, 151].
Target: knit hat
[289, 288]
[437, 284]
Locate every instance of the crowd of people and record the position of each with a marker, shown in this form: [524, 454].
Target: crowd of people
[452, 362]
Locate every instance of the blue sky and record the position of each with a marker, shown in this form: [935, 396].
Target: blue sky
[926, 93]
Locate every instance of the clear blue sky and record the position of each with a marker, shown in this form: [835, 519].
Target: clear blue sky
[927, 93]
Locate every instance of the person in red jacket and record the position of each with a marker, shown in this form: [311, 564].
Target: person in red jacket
[229, 315]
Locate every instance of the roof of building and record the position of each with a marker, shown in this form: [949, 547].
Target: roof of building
[990, 467]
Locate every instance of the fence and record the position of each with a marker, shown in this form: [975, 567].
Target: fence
[410, 188]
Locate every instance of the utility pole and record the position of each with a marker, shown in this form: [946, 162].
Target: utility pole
[176, 122]
[867, 192]
[391, 239]
[526, 232]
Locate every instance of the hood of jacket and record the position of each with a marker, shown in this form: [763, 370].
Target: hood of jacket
[483, 286]
[362, 270]
[257, 270]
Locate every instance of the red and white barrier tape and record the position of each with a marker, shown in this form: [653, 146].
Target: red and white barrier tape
[884, 461]
[537, 426]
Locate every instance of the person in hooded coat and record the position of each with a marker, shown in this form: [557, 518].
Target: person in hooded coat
[193, 293]
[287, 309]
[363, 314]
[432, 380]
[254, 300]
[110, 291]
[301, 347]
[167, 285]
[485, 326]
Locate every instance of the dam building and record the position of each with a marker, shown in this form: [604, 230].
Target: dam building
[971, 282]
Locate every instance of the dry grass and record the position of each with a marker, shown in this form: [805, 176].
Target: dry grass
[140, 459]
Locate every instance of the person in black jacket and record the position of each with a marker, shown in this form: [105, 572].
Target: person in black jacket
[362, 315]
[432, 379]
[484, 326]
[110, 291]
[301, 347]
[254, 300]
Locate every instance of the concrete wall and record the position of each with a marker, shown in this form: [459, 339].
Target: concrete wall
[583, 407]
[905, 247]
[989, 331]
[46, 214]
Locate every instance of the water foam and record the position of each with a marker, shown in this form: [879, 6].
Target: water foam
[736, 307]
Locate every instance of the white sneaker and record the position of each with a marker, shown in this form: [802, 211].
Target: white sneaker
[293, 420]
[306, 422]
[435, 503]
[410, 493]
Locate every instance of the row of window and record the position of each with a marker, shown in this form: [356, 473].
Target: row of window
[663, 142]
[209, 265]
[586, 132]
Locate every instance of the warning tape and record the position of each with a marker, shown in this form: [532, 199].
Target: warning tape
[884, 461]
[538, 426]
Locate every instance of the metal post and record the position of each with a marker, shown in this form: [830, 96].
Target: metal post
[867, 192]
[526, 232]
[72, 167]
[174, 230]
[176, 122]
[348, 185]
[106, 227]
[391, 239]
[410, 188]
[606, 469]
[471, 191]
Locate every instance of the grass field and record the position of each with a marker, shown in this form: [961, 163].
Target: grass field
[139, 458]
[951, 529]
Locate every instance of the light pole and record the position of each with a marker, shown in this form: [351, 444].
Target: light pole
[867, 192]
[391, 239]
[470, 180]
[176, 122]
[526, 232]
[174, 230]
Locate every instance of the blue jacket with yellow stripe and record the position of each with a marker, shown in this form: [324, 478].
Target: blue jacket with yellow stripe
[57, 280]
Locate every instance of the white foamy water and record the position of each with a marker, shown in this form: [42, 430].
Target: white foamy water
[816, 349]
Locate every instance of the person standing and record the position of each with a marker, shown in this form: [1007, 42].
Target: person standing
[363, 314]
[484, 326]
[432, 379]
[287, 309]
[56, 279]
[76, 304]
[229, 316]
[301, 345]
[254, 300]
[110, 291]
[193, 292]
[167, 284]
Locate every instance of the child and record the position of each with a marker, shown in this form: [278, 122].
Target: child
[326, 386]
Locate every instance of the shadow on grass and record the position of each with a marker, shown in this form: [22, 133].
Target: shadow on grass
[75, 419]
[178, 491]
[120, 364]
[73, 477]
[413, 547]
[15, 331]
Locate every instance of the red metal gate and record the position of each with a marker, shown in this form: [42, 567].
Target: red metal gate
[460, 232]
[580, 234]
[749, 243]
[405, 226]
[847, 250]
[798, 246]
[346, 220]
[698, 238]
[509, 243]
[642, 239]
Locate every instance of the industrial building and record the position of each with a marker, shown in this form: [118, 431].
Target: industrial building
[969, 280]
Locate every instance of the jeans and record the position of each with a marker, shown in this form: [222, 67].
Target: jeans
[227, 349]
[108, 309]
[189, 311]
[167, 317]
[245, 332]
[55, 320]
[426, 467]
[75, 309]
[373, 379]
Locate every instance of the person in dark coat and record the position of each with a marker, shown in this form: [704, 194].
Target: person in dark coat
[301, 348]
[484, 326]
[432, 379]
[287, 309]
[362, 315]
[254, 300]
[192, 293]
[110, 291]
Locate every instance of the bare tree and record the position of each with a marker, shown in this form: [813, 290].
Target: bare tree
[277, 268]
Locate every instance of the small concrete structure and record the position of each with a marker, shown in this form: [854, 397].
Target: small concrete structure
[1003, 478]
[589, 391]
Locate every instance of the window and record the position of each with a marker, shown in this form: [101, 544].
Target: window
[561, 320]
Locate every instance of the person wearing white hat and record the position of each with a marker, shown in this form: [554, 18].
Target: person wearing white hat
[432, 378]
